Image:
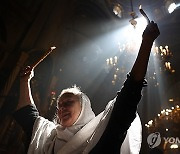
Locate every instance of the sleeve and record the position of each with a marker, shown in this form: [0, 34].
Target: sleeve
[26, 117]
[123, 114]
[125, 107]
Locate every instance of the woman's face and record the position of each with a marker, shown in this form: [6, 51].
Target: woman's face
[69, 109]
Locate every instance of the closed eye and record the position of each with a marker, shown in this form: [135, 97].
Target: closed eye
[66, 104]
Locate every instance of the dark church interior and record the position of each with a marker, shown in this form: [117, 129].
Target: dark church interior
[96, 44]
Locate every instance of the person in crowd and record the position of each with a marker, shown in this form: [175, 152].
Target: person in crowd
[76, 129]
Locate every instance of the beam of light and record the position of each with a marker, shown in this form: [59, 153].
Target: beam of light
[133, 36]
[84, 62]
[87, 60]
[155, 72]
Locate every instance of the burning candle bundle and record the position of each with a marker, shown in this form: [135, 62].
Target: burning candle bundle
[43, 57]
[143, 13]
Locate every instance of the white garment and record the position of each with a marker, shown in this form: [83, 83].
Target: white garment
[133, 138]
[45, 134]
[65, 134]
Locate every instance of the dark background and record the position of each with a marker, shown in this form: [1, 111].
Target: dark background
[82, 32]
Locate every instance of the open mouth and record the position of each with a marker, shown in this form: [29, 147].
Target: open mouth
[65, 116]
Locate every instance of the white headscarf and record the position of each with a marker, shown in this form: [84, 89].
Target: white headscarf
[65, 134]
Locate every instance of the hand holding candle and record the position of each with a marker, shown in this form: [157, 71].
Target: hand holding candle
[144, 14]
[28, 70]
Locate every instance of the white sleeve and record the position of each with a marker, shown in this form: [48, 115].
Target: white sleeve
[132, 142]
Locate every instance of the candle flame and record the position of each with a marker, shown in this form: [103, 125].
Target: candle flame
[140, 6]
[52, 48]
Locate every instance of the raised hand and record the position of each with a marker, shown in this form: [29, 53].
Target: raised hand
[151, 32]
[27, 73]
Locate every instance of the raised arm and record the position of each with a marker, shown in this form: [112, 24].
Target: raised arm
[139, 69]
[25, 97]
[125, 106]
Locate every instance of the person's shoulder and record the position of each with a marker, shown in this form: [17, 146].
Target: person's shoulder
[45, 122]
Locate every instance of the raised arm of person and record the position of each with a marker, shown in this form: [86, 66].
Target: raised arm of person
[139, 69]
[125, 105]
[25, 97]
[26, 112]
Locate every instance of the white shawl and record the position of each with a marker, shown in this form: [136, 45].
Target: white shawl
[44, 136]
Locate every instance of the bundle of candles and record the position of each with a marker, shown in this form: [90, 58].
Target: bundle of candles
[144, 14]
[43, 57]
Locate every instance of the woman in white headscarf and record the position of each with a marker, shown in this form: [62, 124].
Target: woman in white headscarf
[77, 130]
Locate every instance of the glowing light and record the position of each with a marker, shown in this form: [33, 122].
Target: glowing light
[115, 59]
[165, 54]
[172, 115]
[52, 48]
[115, 76]
[107, 61]
[168, 110]
[53, 92]
[163, 111]
[171, 7]
[111, 61]
[133, 40]
[168, 65]
[171, 100]
[174, 146]
[150, 122]
[147, 125]
[117, 10]
[161, 48]
[133, 22]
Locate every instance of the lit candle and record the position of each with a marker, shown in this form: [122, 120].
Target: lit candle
[107, 61]
[115, 59]
[144, 14]
[169, 65]
[161, 48]
[167, 50]
[115, 76]
[166, 64]
[166, 47]
[111, 61]
[164, 51]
